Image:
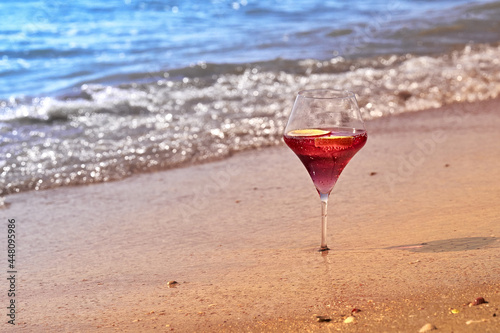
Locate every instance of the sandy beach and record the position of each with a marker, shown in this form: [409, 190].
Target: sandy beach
[414, 228]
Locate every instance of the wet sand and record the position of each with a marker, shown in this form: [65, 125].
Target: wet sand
[414, 229]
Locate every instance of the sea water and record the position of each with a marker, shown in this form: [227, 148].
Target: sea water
[96, 91]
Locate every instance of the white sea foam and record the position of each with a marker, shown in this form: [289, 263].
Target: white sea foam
[109, 132]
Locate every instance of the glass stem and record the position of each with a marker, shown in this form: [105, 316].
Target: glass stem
[324, 213]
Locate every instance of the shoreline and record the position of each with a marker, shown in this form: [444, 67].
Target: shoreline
[239, 236]
[169, 123]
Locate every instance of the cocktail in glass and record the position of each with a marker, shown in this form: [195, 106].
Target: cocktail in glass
[325, 130]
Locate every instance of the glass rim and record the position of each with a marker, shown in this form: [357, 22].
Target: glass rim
[327, 93]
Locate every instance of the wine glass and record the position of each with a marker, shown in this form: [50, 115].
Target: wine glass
[325, 130]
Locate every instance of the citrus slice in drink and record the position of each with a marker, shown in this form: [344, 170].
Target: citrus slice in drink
[308, 132]
[336, 141]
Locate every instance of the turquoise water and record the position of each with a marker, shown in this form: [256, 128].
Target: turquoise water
[97, 91]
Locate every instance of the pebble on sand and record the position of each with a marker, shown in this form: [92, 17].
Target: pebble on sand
[477, 301]
[427, 328]
[322, 318]
[172, 284]
[349, 320]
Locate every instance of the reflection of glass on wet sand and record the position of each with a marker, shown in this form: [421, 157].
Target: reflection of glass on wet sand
[233, 235]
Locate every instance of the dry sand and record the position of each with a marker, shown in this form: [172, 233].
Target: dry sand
[414, 231]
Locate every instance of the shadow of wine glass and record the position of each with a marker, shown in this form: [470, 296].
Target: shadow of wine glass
[448, 245]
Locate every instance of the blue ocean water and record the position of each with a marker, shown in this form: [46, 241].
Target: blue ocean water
[51, 46]
[94, 91]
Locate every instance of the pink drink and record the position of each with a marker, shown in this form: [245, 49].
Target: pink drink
[325, 152]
